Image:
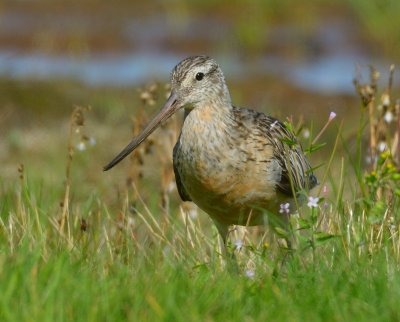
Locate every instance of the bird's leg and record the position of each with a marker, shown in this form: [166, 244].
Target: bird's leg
[229, 256]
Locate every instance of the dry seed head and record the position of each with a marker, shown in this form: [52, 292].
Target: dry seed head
[21, 168]
[147, 98]
[385, 99]
[153, 87]
[148, 94]
[365, 91]
[78, 117]
[21, 171]
[84, 225]
[375, 74]
[369, 91]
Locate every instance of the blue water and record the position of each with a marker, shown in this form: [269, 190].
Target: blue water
[329, 67]
[330, 74]
[114, 70]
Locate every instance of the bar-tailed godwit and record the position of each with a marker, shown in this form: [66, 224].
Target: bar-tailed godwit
[231, 162]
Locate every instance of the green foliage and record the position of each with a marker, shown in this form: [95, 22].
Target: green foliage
[386, 176]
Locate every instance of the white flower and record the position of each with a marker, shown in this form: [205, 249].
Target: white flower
[370, 159]
[92, 141]
[382, 146]
[388, 117]
[81, 146]
[285, 208]
[332, 115]
[306, 133]
[193, 213]
[238, 244]
[250, 273]
[131, 221]
[313, 202]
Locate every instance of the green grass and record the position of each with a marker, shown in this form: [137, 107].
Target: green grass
[77, 244]
[103, 274]
[96, 289]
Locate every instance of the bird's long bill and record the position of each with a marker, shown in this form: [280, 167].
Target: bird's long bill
[170, 107]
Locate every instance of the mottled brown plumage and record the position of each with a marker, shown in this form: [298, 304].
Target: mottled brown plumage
[232, 162]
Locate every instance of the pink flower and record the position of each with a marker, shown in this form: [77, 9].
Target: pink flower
[332, 115]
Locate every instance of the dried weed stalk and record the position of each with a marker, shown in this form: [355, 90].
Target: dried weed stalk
[384, 130]
[161, 143]
[76, 133]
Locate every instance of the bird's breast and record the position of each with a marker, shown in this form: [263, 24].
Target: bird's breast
[219, 168]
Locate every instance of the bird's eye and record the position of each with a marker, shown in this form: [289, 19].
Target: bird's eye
[199, 76]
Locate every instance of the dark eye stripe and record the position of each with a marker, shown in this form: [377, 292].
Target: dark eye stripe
[212, 70]
[199, 76]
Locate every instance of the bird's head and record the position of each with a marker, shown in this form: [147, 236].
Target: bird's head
[195, 81]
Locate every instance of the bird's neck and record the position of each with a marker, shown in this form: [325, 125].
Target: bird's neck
[204, 131]
[218, 103]
[212, 111]
[218, 97]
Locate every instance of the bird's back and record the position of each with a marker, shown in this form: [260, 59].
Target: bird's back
[296, 173]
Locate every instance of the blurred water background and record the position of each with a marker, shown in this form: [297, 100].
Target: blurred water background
[281, 57]
[315, 46]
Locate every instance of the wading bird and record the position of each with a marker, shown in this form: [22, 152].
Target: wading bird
[232, 162]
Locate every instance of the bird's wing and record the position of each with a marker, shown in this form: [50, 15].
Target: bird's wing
[296, 168]
[287, 151]
[181, 189]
